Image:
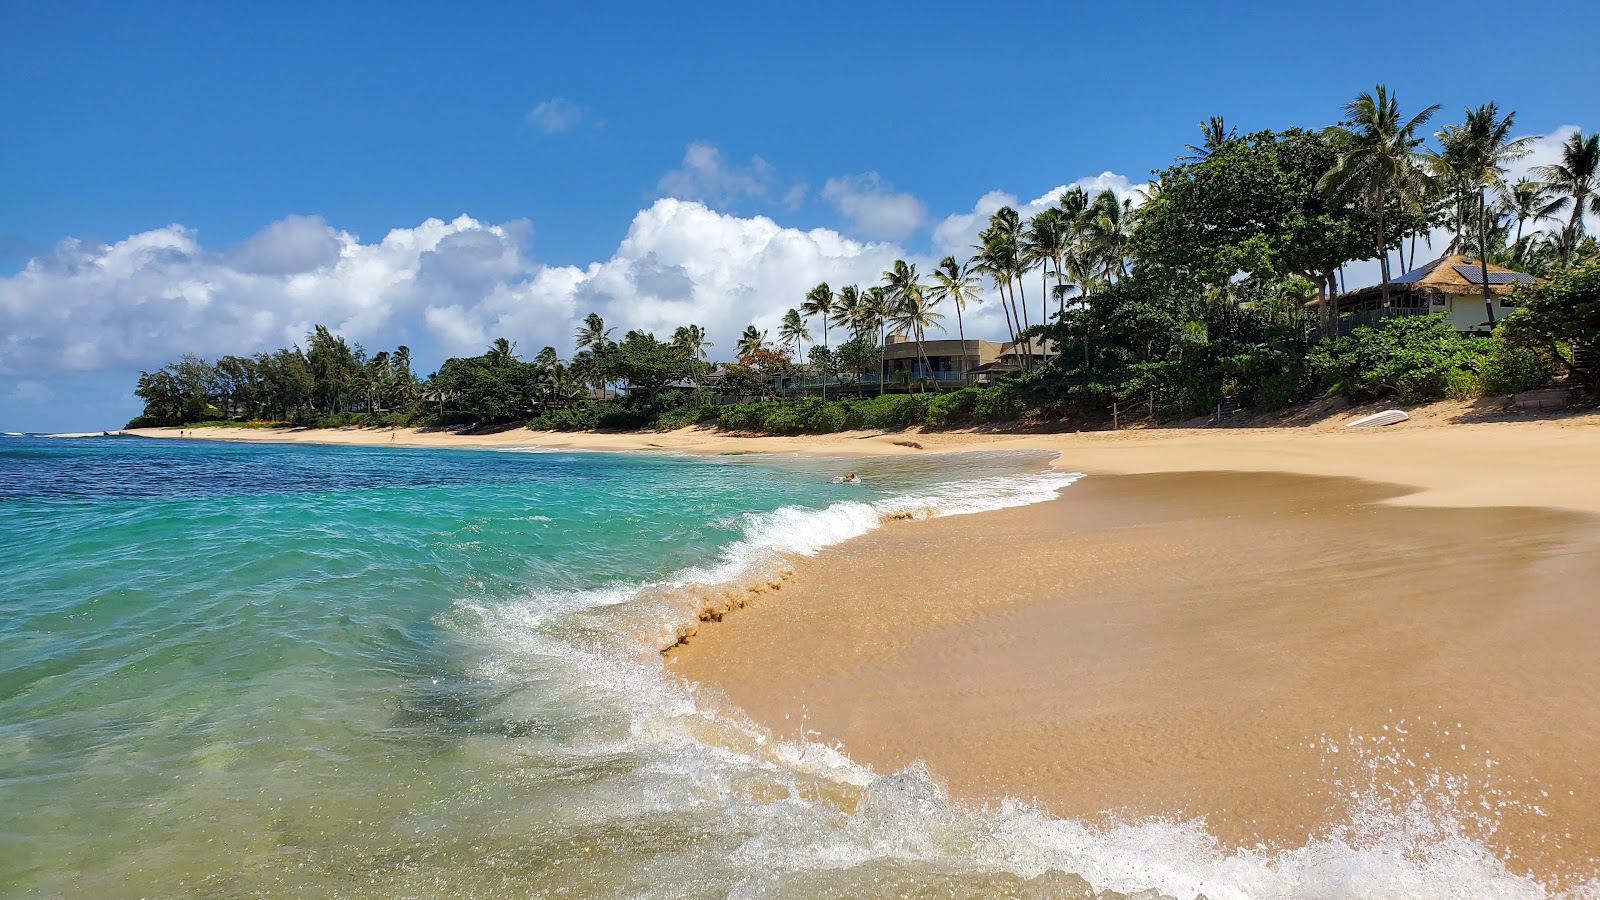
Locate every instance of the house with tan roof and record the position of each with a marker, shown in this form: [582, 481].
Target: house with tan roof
[1452, 285]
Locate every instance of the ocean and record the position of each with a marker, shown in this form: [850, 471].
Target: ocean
[238, 670]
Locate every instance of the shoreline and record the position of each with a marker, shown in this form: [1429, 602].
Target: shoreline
[1546, 463]
[958, 650]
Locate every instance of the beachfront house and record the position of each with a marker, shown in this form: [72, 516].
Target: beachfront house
[1451, 285]
[956, 362]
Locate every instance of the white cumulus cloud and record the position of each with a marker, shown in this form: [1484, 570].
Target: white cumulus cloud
[872, 207]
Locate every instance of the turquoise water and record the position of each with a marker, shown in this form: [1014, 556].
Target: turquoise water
[243, 670]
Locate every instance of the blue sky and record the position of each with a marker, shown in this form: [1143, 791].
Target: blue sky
[225, 175]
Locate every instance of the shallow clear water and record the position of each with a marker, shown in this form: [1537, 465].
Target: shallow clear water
[241, 670]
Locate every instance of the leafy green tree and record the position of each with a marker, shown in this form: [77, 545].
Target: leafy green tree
[1378, 159]
[1576, 179]
[646, 366]
[858, 356]
[1561, 318]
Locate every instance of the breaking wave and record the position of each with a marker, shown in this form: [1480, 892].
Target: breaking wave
[713, 800]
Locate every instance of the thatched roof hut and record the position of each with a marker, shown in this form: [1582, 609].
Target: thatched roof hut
[1451, 285]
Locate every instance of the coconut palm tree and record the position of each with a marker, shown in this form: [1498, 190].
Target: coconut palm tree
[792, 331]
[1105, 228]
[1005, 221]
[1044, 243]
[820, 302]
[1377, 158]
[750, 341]
[990, 259]
[501, 351]
[691, 339]
[1474, 160]
[1576, 179]
[910, 307]
[957, 284]
[593, 335]
[872, 319]
[1217, 135]
[847, 308]
[1526, 201]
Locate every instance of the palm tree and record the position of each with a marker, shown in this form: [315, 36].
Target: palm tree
[819, 302]
[501, 351]
[957, 284]
[1044, 243]
[750, 341]
[993, 260]
[1577, 180]
[1217, 135]
[792, 331]
[848, 308]
[1104, 231]
[691, 339]
[1474, 160]
[910, 307]
[873, 319]
[1005, 221]
[1528, 201]
[1378, 158]
[593, 335]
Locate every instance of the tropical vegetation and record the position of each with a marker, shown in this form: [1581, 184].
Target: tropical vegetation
[1210, 288]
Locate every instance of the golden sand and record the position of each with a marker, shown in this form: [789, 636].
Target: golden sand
[1197, 645]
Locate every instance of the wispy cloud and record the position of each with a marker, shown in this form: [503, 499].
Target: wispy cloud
[557, 115]
[872, 207]
[705, 176]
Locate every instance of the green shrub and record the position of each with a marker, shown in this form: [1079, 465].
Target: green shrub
[744, 416]
[784, 418]
[578, 417]
[682, 417]
[828, 418]
[1461, 384]
[1513, 367]
[887, 411]
[1409, 357]
[999, 403]
[954, 408]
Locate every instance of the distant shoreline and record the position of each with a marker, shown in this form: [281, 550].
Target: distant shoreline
[1537, 462]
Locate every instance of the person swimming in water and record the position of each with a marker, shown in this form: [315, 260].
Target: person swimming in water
[851, 478]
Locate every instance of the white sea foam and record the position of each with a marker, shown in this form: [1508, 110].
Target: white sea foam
[810, 821]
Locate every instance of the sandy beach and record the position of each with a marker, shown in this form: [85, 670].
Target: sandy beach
[1278, 630]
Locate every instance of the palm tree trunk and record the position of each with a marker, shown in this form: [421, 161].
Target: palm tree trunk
[1483, 255]
[1383, 254]
[825, 347]
[1022, 293]
[961, 332]
[883, 344]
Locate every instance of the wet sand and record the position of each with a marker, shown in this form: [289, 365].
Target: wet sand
[1198, 645]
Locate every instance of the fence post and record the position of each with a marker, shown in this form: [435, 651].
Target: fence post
[1115, 419]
